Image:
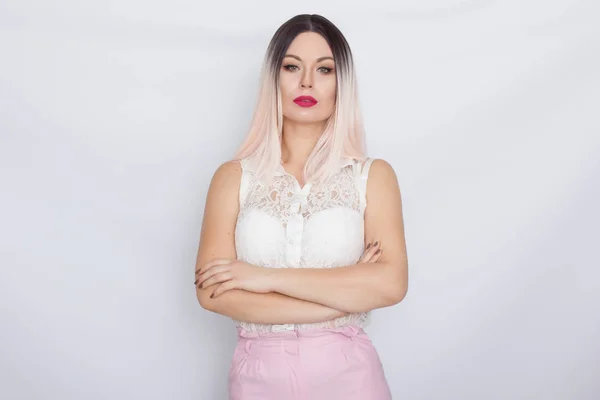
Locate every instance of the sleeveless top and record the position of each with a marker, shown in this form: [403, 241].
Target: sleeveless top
[285, 226]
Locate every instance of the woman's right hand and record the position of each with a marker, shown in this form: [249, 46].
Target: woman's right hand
[372, 253]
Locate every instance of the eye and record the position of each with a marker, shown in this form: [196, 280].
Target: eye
[325, 70]
[290, 67]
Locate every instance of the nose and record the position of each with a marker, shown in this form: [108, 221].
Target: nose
[306, 81]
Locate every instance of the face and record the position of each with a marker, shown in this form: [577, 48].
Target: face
[307, 80]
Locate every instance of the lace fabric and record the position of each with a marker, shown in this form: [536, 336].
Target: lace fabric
[278, 199]
[281, 225]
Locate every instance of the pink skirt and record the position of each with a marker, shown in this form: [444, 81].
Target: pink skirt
[316, 364]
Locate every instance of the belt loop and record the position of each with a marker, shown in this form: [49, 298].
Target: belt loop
[247, 346]
[351, 331]
[282, 328]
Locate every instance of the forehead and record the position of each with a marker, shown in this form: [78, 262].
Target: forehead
[310, 45]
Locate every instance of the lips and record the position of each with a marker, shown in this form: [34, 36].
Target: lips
[305, 101]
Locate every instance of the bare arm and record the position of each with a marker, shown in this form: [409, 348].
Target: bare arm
[363, 286]
[217, 241]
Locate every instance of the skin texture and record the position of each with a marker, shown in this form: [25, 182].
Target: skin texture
[279, 296]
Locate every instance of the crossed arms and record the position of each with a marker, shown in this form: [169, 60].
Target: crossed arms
[306, 295]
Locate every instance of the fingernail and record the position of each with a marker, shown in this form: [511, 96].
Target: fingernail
[196, 282]
[368, 246]
[211, 296]
[376, 244]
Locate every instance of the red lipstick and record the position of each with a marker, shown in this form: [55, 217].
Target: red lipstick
[305, 101]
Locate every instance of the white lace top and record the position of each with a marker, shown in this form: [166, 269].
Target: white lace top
[285, 226]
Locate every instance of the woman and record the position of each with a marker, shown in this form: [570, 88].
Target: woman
[299, 199]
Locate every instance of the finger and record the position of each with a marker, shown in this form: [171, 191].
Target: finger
[212, 263]
[370, 251]
[201, 281]
[377, 255]
[365, 256]
[210, 273]
[223, 287]
[218, 278]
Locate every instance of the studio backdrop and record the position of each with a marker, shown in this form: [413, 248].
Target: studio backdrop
[115, 115]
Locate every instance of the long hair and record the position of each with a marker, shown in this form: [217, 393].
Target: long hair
[343, 135]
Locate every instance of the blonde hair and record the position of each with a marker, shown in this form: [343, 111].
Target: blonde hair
[343, 135]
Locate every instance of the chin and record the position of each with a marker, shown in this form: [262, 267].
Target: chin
[307, 119]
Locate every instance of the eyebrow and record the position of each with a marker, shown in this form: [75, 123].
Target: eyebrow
[318, 59]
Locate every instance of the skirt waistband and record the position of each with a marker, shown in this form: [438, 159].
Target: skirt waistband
[350, 331]
[293, 341]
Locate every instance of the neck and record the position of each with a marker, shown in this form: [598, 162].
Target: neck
[298, 141]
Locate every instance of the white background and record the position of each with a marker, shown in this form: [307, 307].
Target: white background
[115, 114]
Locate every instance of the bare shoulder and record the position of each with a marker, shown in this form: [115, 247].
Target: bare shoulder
[382, 166]
[228, 173]
[222, 203]
[382, 177]
[383, 213]
[225, 180]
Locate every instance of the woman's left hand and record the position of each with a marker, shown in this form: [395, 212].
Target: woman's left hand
[234, 274]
